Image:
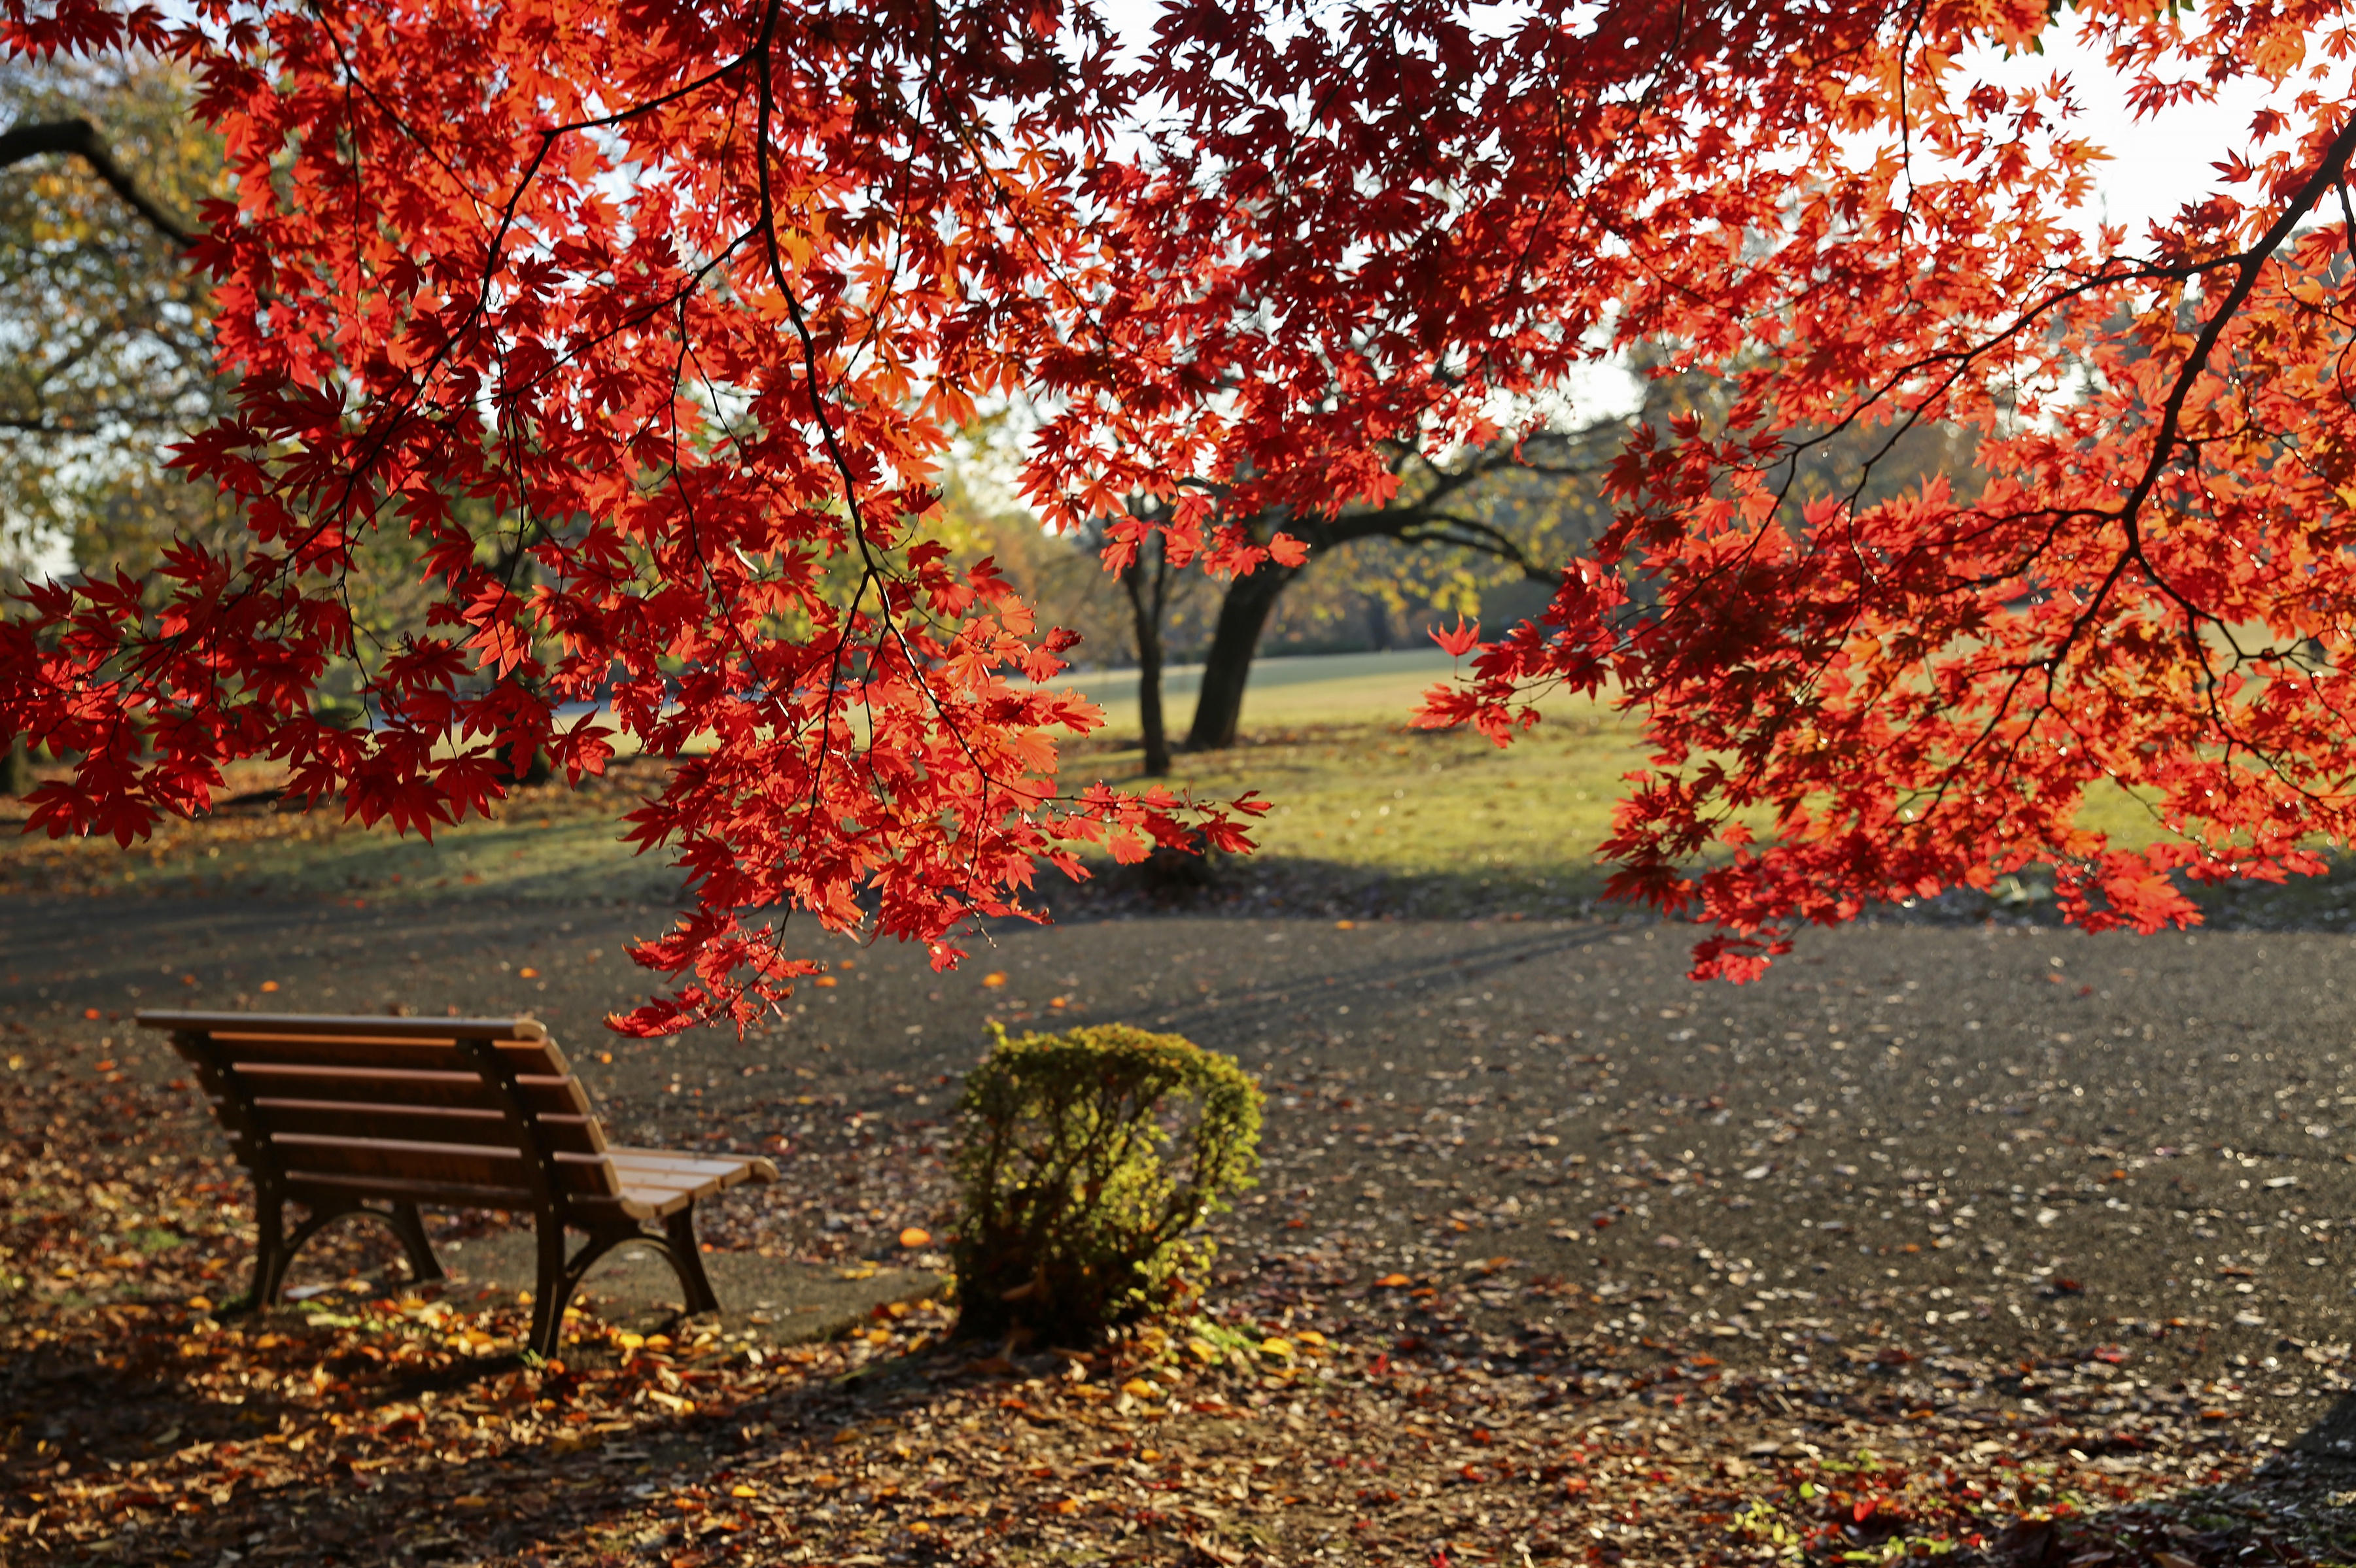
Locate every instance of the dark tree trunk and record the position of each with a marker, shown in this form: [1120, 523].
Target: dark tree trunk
[1148, 587]
[1149, 708]
[1226, 668]
[17, 768]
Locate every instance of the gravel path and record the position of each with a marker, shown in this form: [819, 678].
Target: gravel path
[1995, 1144]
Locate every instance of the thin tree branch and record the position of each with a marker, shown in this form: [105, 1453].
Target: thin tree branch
[79, 138]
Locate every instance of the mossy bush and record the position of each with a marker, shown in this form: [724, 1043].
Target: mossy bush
[1087, 1163]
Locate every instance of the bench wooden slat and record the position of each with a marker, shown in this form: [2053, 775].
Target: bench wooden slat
[464, 1164]
[640, 1204]
[658, 1181]
[334, 1025]
[654, 1177]
[455, 1195]
[425, 1125]
[539, 1058]
[456, 1090]
[641, 1184]
[664, 1165]
[678, 1160]
[654, 1202]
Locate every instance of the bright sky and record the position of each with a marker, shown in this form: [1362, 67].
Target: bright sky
[2157, 164]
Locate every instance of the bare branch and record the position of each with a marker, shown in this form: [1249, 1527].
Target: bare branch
[79, 138]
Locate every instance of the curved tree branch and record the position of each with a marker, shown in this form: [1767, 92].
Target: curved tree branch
[79, 138]
[1469, 533]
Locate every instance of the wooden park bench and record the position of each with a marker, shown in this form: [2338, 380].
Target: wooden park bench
[342, 1114]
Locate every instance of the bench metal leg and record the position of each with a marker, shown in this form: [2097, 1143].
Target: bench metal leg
[423, 1266]
[552, 1288]
[274, 1249]
[560, 1277]
[272, 1252]
[318, 1218]
[687, 1261]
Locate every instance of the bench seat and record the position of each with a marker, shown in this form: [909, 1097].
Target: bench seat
[656, 1182]
[341, 1113]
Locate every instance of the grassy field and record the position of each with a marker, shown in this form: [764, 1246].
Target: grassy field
[1335, 689]
[547, 842]
[1367, 812]
[1361, 799]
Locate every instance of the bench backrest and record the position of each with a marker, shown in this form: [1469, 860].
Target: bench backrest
[482, 1112]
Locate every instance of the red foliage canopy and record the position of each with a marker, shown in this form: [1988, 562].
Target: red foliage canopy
[2147, 587]
[649, 325]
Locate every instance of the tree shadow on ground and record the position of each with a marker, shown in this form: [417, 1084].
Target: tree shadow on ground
[2288, 1509]
[618, 1490]
[1271, 884]
[307, 1448]
[2292, 1509]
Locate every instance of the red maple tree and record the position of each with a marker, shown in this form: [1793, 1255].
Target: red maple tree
[2145, 587]
[647, 326]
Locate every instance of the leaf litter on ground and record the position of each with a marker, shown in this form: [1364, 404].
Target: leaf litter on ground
[1321, 1405]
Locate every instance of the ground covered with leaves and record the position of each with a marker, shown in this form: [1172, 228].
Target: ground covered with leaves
[1353, 1389]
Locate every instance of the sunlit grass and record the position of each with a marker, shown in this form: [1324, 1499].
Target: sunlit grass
[1360, 802]
[545, 842]
[1380, 801]
[1358, 793]
[1284, 693]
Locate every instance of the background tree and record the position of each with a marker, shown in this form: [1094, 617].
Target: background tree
[1465, 524]
[1117, 619]
[105, 317]
[1505, 502]
[1148, 581]
[103, 320]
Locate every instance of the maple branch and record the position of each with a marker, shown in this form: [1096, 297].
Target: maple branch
[1958, 362]
[414, 394]
[2328, 170]
[2347, 236]
[79, 138]
[871, 568]
[41, 424]
[509, 208]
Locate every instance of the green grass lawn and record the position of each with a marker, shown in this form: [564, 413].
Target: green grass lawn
[547, 842]
[1450, 821]
[1362, 802]
[1333, 690]
[1359, 797]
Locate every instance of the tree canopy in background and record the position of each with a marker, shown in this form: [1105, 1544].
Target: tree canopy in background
[107, 361]
[642, 334]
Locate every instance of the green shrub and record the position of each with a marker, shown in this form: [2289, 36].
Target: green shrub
[1085, 1162]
